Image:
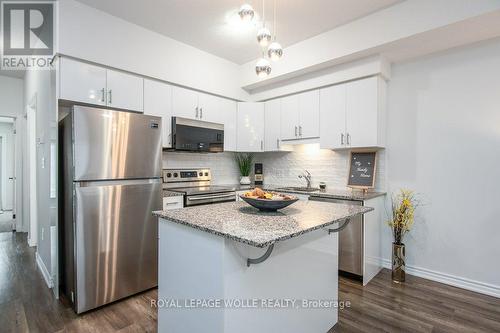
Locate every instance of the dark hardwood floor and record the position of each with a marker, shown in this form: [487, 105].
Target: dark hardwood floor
[419, 305]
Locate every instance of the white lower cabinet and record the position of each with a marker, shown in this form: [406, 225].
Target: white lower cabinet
[174, 202]
[158, 102]
[250, 127]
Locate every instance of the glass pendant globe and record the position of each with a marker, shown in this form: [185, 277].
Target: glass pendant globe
[264, 36]
[263, 67]
[275, 51]
[246, 13]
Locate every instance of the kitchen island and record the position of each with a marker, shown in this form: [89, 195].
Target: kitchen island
[231, 268]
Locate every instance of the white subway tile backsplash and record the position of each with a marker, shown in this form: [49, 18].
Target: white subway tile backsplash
[280, 168]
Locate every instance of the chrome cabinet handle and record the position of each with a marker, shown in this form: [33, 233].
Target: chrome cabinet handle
[342, 139]
[110, 93]
[295, 130]
[278, 143]
[201, 113]
[103, 95]
[300, 130]
[348, 139]
[196, 112]
[172, 203]
[261, 144]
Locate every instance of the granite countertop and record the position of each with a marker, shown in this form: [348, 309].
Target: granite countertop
[332, 193]
[240, 222]
[167, 193]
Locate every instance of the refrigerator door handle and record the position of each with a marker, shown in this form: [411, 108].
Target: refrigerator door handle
[117, 182]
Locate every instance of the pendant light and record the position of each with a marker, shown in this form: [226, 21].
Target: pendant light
[246, 13]
[263, 67]
[275, 51]
[264, 35]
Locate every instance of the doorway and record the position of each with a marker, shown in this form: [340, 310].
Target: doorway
[7, 170]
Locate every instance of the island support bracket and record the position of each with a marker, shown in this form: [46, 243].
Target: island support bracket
[346, 222]
[261, 258]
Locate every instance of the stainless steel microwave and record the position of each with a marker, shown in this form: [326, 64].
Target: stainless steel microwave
[197, 136]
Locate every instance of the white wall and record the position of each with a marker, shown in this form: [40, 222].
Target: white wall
[93, 35]
[11, 96]
[39, 85]
[7, 134]
[444, 142]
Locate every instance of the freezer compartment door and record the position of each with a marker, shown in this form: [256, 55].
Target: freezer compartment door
[115, 145]
[116, 241]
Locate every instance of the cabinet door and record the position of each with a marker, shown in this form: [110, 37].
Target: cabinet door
[333, 117]
[222, 111]
[125, 91]
[250, 127]
[309, 114]
[362, 113]
[185, 103]
[158, 102]
[81, 82]
[290, 117]
[272, 125]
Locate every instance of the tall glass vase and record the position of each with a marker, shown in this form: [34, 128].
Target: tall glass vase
[398, 262]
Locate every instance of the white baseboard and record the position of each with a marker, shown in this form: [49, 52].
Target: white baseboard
[45, 272]
[452, 280]
[31, 243]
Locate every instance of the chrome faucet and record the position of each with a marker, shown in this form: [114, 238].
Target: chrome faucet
[307, 177]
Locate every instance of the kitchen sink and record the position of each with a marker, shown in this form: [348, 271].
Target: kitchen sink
[301, 189]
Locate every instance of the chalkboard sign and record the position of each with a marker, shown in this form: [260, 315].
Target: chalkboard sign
[362, 170]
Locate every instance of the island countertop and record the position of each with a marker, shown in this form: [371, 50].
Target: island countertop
[242, 223]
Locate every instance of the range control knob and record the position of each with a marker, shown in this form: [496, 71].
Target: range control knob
[176, 174]
[206, 174]
[169, 175]
[200, 174]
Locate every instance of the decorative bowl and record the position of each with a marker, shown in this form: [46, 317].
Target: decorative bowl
[267, 205]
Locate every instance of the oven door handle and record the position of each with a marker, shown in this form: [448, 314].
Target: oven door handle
[198, 198]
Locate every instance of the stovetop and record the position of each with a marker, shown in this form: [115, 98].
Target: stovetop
[200, 190]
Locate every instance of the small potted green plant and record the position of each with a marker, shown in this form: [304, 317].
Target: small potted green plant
[404, 204]
[244, 162]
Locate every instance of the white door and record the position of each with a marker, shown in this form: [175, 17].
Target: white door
[185, 103]
[250, 127]
[309, 114]
[81, 82]
[333, 117]
[222, 111]
[362, 113]
[290, 117]
[125, 91]
[272, 125]
[158, 102]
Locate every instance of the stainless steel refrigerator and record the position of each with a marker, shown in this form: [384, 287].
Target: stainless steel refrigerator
[110, 169]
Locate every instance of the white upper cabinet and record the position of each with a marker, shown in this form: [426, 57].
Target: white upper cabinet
[125, 91]
[250, 127]
[82, 82]
[353, 114]
[309, 114]
[222, 111]
[272, 125]
[300, 116]
[333, 117]
[158, 102]
[185, 103]
[290, 117]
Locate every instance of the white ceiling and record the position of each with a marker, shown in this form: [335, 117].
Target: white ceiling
[213, 26]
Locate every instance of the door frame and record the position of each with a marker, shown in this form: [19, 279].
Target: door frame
[31, 149]
[5, 180]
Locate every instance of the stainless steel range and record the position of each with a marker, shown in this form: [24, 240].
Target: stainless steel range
[196, 186]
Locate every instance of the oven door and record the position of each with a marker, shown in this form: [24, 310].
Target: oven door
[203, 199]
